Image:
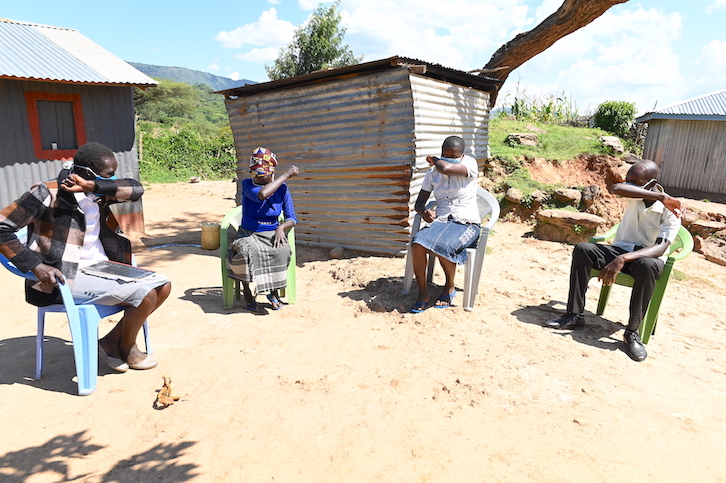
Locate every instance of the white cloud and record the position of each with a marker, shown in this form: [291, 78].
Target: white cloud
[308, 4]
[213, 67]
[267, 31]
[710, 68]
[716, 5]
[274, 2]
[234, 76]
[261, 56]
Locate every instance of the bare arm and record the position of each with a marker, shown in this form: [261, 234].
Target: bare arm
[447, 168]
[626, 190]
[270, 188]
[420, 206]
[611, 270]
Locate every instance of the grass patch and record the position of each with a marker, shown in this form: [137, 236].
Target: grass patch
[678, 275]
[556, 142]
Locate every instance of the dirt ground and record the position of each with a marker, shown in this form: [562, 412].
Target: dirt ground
[329, 390]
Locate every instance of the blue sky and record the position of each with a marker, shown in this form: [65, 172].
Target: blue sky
[653, 53]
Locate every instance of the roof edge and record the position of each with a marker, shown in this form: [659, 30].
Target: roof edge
[656, 116]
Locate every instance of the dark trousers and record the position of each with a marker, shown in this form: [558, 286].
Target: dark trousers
[587, 256]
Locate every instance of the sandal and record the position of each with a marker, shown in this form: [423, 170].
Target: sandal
[447, 301]
[274, 301]
[419, 307]
[252, 307]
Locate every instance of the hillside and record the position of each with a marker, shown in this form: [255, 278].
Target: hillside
[190, 76]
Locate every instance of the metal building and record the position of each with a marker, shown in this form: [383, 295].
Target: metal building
[360, 136]
[59, 90]
[687, 140]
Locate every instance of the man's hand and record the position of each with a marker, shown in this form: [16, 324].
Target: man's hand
[280, 237]
[677, 207]
[611, 270]
[76, 184]
[431, 160]
[48, 275]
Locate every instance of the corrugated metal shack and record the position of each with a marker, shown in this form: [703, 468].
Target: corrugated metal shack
[687, 141]
[59, 90]
[360, 136]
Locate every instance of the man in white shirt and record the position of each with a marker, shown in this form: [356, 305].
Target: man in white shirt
[649, 225]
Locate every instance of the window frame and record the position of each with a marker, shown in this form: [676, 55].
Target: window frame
[31, 99]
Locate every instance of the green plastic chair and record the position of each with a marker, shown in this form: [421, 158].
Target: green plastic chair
[683, 242]
[231, 287]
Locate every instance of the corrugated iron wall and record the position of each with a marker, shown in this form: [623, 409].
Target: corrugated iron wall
[355, 141]
[692, 154]
[109, 116]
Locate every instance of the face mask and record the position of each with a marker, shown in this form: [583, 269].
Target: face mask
[452, 160]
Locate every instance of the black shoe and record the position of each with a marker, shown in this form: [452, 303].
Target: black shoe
[634, 346]
[567, 321]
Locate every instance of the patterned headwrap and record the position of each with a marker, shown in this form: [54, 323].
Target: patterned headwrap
[262, 162]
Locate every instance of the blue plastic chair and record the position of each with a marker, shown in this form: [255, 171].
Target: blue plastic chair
[83, 320]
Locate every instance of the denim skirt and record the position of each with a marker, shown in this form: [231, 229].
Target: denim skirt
[449, 239]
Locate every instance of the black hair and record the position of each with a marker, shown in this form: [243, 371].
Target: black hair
[453, 142]
[93, 155]
[647, 169]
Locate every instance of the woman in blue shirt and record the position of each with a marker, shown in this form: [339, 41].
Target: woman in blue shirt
[260, 252]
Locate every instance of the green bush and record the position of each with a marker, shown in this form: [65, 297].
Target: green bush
[615, 117]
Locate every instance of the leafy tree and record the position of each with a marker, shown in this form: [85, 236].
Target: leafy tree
[316, 45]
[615, 117]
[166, 101]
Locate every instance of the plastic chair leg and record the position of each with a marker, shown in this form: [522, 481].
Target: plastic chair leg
[603, 300]
[39, 339]
[408, 274]
[472, 274]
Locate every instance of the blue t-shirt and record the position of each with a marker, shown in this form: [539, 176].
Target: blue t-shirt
[263, 215]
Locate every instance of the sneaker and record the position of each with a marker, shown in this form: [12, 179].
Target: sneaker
[634, 346]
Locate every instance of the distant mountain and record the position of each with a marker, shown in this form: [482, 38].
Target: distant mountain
[189, 76]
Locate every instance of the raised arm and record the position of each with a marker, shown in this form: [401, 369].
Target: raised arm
[628, 190]
[270, 188]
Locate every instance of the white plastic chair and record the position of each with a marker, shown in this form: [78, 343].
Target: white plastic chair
[488, 205]
[83, 320]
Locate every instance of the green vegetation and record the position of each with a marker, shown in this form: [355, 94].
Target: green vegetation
[317, 45]
[553, 108]
[183, 131]
[615, 117]
[556, 142]
[189, 76]
[678, 275]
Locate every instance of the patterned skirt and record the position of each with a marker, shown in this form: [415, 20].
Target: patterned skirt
[252, 258]
[449, 239]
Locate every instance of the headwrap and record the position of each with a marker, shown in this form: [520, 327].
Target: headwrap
[262, 162]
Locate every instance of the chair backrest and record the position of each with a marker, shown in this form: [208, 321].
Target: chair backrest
[684, 242]
[488, 205]
[22, 235]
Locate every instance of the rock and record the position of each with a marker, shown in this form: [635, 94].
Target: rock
[713, 249]
[514, 195]
[377, 307]
[567, 196]
[630, 158]
[566, 226]
[689, 217]
[539, 197]
[612, 142]
[533, 128]
[194, 179]
[589, 193]
[337, 252]
[524, 138]
[705, 228]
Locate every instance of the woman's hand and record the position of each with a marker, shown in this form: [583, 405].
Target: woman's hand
[428, 215]
[76, 184]
[292, 171]
[48, 275]
[280, 237]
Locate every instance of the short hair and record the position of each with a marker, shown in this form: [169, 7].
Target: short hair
[647, 168]
[453, 142]
[93, 155]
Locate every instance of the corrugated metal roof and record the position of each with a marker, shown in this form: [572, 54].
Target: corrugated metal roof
[56, 54]
[711, 107]
[426, 69]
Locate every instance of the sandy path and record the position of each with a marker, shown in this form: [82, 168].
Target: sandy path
[330, 390]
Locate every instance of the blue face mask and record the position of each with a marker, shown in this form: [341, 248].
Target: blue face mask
[452, 160]
[108, 179]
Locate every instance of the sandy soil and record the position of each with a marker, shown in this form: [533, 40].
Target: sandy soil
[345, 386]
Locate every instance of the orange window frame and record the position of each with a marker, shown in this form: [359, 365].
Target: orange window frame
[31, 100]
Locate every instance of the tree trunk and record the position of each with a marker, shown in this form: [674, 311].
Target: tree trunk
[571, 16]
